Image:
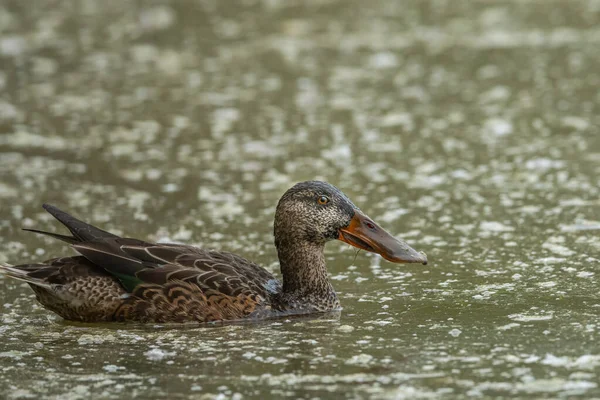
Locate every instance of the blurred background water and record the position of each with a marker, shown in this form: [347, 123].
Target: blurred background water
[468, 128]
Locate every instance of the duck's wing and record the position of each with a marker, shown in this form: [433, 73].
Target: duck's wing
[135, 262]
[171, 282]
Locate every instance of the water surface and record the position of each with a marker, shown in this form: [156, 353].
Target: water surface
[470, 129]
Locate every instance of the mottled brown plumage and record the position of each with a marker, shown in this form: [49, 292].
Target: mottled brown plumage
[124, 279]
[74, 288]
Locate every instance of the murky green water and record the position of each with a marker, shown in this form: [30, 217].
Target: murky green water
[468, 128]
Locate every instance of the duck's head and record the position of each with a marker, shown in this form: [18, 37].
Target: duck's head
[317, 212]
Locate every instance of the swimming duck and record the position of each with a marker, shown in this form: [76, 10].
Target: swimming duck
[125, 279]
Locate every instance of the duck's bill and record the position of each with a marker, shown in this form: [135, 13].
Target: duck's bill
[367, 235]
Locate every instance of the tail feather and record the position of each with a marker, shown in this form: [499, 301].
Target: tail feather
[22, 275]
[81, 231]
[64, 238]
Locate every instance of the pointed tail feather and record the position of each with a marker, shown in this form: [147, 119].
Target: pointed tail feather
[81, 231]
[22, 275]
[64, 238]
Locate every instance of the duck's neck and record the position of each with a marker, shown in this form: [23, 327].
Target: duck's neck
[305, 274]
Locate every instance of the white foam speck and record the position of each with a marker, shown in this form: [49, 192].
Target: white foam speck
[361, 359]
[9, 112]
[531, 318]
[585, 274]
[587, 361]
[398, 119]
[394, 214]
[111, 368]
[550, 260]
[26, 139]
[157, 354]
[342, 151]
[508, 326]
[575, 202]
[498, 126]
[558, 249]
[170, 187]
[345, 328]
[555, 361]
[497, 93]
[157, 18]
[576, 123]
[338, 277]
[543, 164]
[455, 332]
[383, 60]
[12, 45]
[492, 226]
[585, 226]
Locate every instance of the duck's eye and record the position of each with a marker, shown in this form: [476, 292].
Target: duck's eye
[323, 200]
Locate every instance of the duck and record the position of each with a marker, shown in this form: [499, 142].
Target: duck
[121, 279]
